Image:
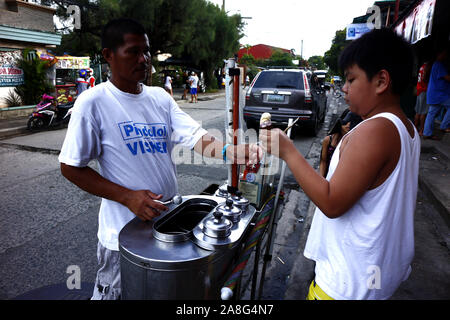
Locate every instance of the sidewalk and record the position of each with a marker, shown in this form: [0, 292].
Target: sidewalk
[430, 277]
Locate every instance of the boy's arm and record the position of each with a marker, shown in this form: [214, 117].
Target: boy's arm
[363, 155]
[140, 202]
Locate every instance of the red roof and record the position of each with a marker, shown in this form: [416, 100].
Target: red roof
[260, 51]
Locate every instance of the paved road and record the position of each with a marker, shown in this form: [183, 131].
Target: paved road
[47, 224]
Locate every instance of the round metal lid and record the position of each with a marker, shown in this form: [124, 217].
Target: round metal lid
[230, 211]
[217, 226]
[240, 201]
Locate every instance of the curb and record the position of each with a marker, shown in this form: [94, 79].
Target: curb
[6, 133]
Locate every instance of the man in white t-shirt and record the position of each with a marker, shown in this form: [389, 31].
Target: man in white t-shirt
[130, 129]
[168, 85]
[193, 79]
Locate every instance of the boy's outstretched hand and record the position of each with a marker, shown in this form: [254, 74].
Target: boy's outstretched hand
[275, 142]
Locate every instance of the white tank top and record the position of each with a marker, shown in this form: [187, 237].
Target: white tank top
[366, 253]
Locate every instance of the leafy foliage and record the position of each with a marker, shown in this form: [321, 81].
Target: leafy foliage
[36, 83]
[194, 30]
[331, 57]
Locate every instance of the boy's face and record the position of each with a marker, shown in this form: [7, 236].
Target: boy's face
[131, 60]
[360, 92]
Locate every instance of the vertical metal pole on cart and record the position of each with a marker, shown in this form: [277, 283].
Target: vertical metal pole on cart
[232, 90]
[272, 223]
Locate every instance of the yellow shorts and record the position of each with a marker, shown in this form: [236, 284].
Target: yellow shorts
[316, 293]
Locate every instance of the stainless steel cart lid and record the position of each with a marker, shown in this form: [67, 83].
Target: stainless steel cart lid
[217, 226]
[230, 211]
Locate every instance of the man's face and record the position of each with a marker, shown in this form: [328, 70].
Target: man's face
[131, 60]
[359, 91]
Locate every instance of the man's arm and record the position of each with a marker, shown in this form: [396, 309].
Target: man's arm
[140, 202]
[210, 147]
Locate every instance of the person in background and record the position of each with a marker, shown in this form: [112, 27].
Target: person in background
[438, 95]
[168, 85]
[421, 103]
[193, 81]
[186, 86]
[91, 78]
[82, 83]
[329, 143]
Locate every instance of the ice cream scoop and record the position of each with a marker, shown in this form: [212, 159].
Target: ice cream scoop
[266, 121]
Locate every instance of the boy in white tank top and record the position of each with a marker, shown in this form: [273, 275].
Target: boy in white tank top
[362, 234]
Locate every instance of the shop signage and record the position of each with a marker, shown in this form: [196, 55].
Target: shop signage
[72, 62]
[10, 76]
[356, 30]
[418, 24]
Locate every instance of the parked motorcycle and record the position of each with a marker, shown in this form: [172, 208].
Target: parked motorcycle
[48, 113]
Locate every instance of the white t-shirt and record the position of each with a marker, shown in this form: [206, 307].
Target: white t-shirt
[194, 82]
[131, 136]
[366, 253]
[168, 83]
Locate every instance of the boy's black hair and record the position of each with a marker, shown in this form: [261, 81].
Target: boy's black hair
[114, 31]
[381, 49]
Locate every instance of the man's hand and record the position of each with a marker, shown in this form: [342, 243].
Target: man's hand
[142, 203]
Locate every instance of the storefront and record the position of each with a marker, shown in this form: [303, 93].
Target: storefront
[67, 69]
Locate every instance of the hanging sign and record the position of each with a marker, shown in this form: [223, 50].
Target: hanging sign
[418, 24]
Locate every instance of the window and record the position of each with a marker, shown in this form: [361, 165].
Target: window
[279, 80]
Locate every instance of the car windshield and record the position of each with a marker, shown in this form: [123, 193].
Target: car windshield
[279, 79]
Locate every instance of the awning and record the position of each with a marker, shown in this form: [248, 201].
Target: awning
[23, 35]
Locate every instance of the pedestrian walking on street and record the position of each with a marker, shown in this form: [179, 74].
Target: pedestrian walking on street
[109, 123]
[362, 234]
[438, 95]
[193, 82]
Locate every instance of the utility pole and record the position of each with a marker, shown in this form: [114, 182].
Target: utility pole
[301, 52]
[223, 5]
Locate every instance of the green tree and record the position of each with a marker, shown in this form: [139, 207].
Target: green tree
[317, 62]
[35, 75]
[280, 58]
[331, 57]
[196, 30]
[248, 60]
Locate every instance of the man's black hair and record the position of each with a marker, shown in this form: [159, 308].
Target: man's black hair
[114, 31]
[381, 49]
